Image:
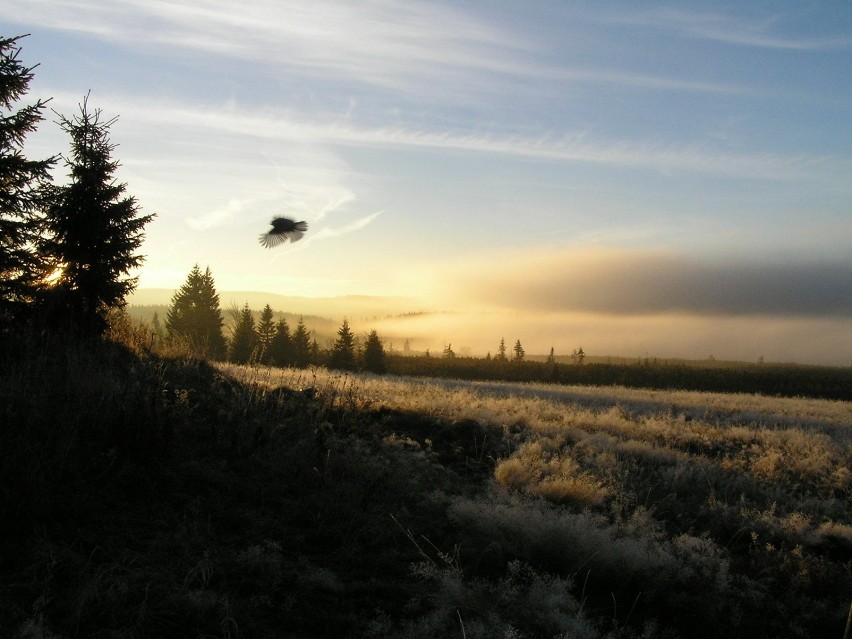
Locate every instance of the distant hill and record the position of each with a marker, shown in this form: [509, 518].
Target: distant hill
[353, 307]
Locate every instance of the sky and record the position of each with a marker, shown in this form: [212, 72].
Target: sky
[639, 179]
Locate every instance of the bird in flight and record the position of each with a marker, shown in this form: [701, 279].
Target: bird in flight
[283, 229]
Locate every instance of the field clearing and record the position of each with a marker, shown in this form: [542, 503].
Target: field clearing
[794, 451]
[715, 501]
[446, 396]
[793, 455]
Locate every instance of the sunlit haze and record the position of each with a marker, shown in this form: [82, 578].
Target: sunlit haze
[639, 179]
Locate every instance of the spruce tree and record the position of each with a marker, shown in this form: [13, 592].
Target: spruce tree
[265, 333]
[157, 327]
[24, 187]
[244, 342]
[301, 345]
[343, 351]
[501, 351]
[519, 352]
[94, 229]
[374, 354]
[281, 347]
[553, 367]
[195, 316]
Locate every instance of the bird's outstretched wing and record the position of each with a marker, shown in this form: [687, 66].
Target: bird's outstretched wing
[269, 240]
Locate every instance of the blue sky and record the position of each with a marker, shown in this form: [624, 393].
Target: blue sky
[669, 179]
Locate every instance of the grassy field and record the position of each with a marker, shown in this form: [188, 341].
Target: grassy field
[153, 496]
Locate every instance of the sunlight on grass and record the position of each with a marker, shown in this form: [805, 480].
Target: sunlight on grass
[588, 446]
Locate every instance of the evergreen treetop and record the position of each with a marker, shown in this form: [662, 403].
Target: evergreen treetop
[301, 344]
[24, 187]
[374, 354]
[265, 333]
[343, 351]
[244, 341]
[281, 347]
[501, 351]
[94, 229]
[195, 315]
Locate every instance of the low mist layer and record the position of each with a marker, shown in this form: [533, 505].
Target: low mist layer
[646, 283]
[803, 340]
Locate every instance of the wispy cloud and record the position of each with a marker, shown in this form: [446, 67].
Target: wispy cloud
[643, 80]
[328, 232]
[407, 47]
[216, 217]
[179, 121]
[311, 201]
[357, 225]
[389, 43]
[759, 32]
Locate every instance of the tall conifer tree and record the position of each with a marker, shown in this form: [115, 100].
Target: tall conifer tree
[244, 341]
[24, 186]
[501, 351]
[281, 347]
[374, 354]
[519, 352]
[301, 345]
[94, 229]
[265, 333]
[343, 352]
[195, 315]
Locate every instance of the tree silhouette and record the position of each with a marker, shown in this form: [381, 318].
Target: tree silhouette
[519, 352]
[343, 351]
[552, 367]
[448, 352]
[94, 229]
[244, 341]
[301, 345]
[24, 187]
[501, 351]
[374, 354]
[194, 315]
[551, 359]
[265, 333]
[281, 346]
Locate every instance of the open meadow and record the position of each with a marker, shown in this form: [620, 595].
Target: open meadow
[156, 495]
[717, 511]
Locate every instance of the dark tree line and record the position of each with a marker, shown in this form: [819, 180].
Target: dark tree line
[194, 322]
[66, 250]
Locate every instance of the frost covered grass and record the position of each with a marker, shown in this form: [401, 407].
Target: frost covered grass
[710, 505]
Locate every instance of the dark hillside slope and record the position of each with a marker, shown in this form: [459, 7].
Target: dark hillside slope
[157, 498]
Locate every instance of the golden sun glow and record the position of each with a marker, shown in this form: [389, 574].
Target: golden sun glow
[54, 277]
